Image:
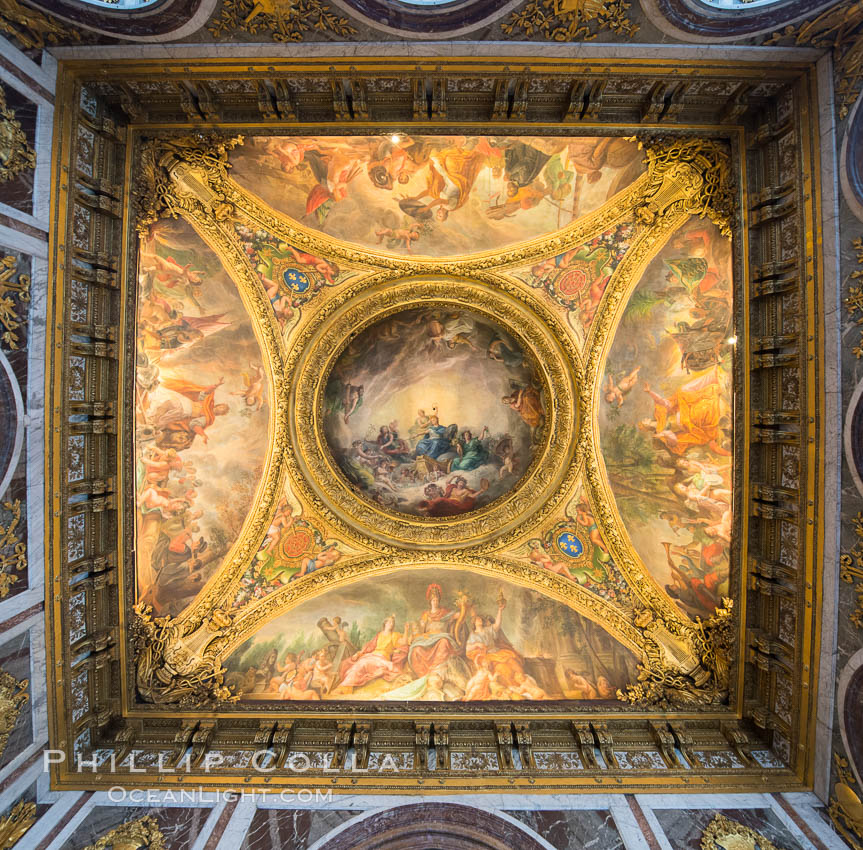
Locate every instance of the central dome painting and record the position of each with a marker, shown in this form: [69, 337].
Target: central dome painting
[433, 412]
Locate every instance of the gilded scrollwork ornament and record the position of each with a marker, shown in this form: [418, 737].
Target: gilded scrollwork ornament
[284, 20]
[846, 808]
[14, 298]
[690, 175]
[683, 667]
[181, 174]
[571, 20]
[176, 664]
[140, 834]
[13, 697]
[839, 29]
[16, 155]
[851, 570]
[854, 301]
[725, 834]
[31, 28]
[13, 549]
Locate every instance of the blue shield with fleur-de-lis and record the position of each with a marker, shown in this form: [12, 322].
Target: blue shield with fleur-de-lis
[295, 280]
[569, 544]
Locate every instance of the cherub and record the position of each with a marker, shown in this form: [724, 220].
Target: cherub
[617, 392]
[395, 235]
[254, 383]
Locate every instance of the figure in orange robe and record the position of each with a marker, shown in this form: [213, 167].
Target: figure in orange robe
[690, 417]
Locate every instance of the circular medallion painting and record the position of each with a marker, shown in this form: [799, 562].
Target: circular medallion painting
[433, 413]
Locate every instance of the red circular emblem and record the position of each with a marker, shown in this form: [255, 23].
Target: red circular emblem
[296, 543]
[571, 282]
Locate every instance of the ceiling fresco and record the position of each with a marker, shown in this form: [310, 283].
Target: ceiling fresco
[202, 414]
[466, 396]
[665, 417]
[396, 469]
[437, 196]
[431, 635]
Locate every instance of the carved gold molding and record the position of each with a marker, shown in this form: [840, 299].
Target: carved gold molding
[32, 28]
[840, 29]
[851, 569]
[854, 301]
[13, 696]
[570, 20]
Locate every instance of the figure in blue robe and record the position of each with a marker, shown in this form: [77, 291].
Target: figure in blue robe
[437, 441]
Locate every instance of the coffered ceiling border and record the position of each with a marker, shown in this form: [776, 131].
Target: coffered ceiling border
[770, 110]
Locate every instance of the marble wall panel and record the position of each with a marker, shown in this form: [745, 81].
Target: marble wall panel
[684, 827]
[294, 828]
[180, 827]
[588, 829]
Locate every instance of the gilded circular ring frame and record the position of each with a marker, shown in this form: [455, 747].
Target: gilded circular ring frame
[559, 375]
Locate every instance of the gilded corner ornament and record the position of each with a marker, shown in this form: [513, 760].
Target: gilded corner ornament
[141, 834]
[683, 667]
[846, 809]
[16, 155]
[177, 664]
[284, 20]
[699, 173]
[180, 175]
[570, 20]
[724, 834]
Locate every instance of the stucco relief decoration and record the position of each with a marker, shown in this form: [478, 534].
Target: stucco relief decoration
[400, 400]
[851, 570]
[13, 548]
[16, 824]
